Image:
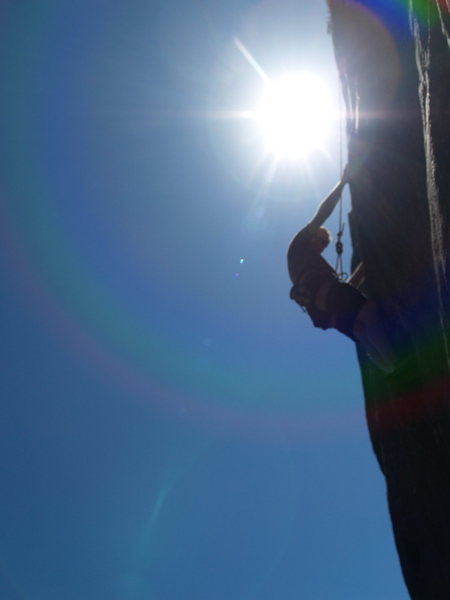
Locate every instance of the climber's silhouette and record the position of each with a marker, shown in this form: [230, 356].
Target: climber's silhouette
[329, 302]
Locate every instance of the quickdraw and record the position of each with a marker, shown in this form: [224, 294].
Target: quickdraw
[339, 268]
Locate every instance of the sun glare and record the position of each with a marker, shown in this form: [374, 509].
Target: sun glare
[295, 115]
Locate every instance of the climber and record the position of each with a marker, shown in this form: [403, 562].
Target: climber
[329, 302]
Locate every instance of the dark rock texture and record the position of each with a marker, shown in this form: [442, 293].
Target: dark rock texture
[394, 64]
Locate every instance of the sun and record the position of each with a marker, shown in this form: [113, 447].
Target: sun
[295, 115]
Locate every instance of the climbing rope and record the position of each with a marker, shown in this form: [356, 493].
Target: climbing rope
[339, 268]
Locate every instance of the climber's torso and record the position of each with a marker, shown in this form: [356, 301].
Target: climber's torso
[308, 269]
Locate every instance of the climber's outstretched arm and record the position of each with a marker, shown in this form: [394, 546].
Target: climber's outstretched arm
[328, 205]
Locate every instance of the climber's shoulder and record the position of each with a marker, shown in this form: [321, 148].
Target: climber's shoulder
[303, 236]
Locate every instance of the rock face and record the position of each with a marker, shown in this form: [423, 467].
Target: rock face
[394, 63]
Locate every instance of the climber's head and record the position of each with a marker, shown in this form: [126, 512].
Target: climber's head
[321, 239]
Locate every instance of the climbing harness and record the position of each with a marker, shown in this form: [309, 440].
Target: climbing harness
[297, 298]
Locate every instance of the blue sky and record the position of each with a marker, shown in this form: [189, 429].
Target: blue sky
[172, 427]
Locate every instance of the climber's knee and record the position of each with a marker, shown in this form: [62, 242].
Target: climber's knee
[344, 303]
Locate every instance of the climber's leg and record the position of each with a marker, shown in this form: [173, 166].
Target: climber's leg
[369, 330]
[360, 320]
[343, 302]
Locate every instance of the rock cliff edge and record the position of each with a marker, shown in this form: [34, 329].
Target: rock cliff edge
[394, 64]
